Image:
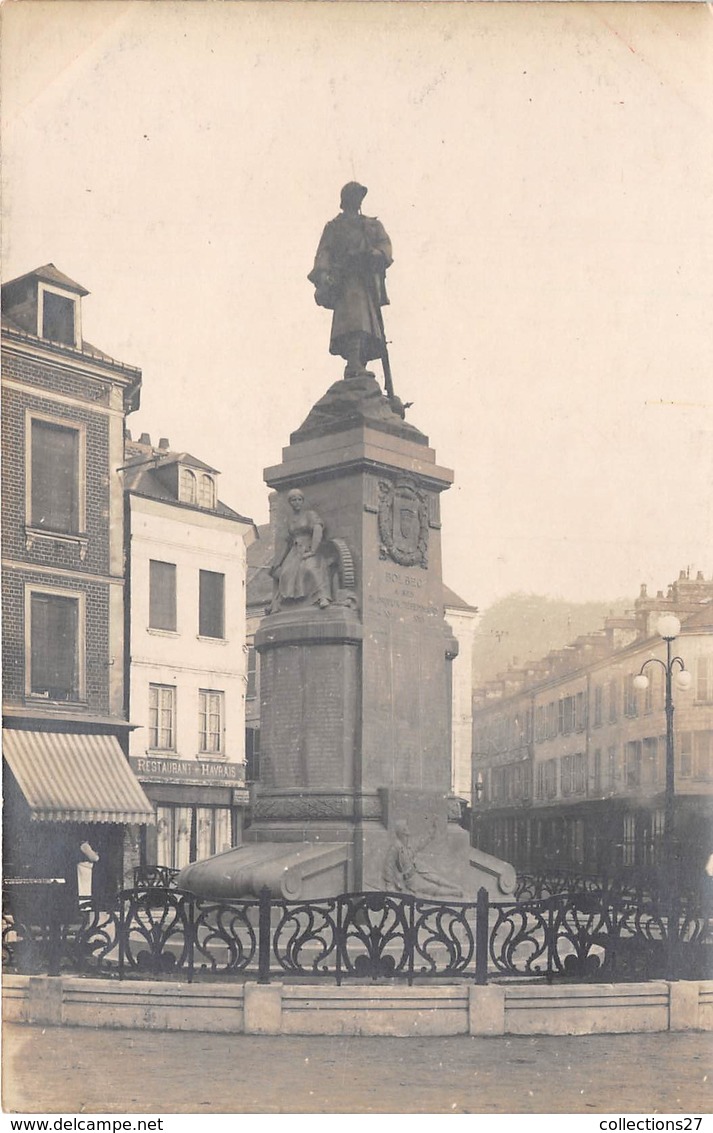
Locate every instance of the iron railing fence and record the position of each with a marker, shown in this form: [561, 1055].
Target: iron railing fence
[155, 876]
[641, 884]
[160, 932]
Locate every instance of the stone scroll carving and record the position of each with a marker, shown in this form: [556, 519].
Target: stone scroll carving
[403, 522]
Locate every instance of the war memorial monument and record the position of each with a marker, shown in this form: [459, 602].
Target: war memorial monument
[354, 650]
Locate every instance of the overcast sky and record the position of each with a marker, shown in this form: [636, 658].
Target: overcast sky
[545, 174]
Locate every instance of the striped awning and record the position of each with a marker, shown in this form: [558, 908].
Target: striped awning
[75, 778]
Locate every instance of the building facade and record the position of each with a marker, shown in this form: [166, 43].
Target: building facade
[569, 758]
[67, 780]
[463, 620]
[187, 671]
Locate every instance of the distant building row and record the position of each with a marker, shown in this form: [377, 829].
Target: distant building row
[569, 757]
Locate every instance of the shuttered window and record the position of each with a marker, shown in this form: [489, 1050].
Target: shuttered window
[54, 655]
[162, 595]
[55, 477]
[211, 604]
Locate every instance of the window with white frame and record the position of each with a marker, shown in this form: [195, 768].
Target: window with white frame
[611, 767]
[188, 487]
[579, 773]
[211, 604]
[162, 595]
[650, 768]
[580, 712]
[58, 314]
[598, 698]
[566, 781]
[631, 707]
[251, 674]
[684, 755]
[206, 491]
[551, 778]
[702, 755]
[162, 717]
[613, 700]
[211, 711]
[552, 719]
[597, 772]
[704, 678]
[55, 497]
[632, 754]
[55, 644]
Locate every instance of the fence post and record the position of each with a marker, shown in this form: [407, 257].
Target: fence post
[263, 936]
[672, 943]
[122, 927]
[411, 941]
[482, 935]
[190, 922]
[551, 949]
[341, 941]
[54, 932]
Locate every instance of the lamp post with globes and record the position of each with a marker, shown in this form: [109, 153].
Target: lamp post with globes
[668, 627]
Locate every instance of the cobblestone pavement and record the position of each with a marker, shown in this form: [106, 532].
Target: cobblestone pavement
[55, 1069]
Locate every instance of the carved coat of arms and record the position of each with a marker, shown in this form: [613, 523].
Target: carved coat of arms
[403, 522]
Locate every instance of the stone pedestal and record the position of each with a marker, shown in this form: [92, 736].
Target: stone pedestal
[355, 702]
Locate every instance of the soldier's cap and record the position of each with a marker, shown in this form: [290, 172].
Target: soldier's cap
[351, 190]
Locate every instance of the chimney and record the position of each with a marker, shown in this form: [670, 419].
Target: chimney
[127, 434]
[145, 439]
[163, 444]
[699, 576]
[642, 592]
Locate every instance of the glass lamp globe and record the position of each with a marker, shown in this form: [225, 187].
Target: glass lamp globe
[684, 679]
[642, 681]
[668, 626]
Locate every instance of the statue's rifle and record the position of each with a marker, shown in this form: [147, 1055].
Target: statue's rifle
[388, 380]
[371, 283]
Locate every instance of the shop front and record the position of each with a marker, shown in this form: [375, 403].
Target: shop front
[199, 809]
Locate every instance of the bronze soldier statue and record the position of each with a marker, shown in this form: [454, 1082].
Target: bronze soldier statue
[349, 278]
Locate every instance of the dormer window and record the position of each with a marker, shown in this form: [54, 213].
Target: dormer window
[196, 487]
[206, 496]
[58, 316]
[189, 486]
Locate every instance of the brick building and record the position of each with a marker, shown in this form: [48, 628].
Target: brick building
[67, 780]
[186, 556]
[569, 757]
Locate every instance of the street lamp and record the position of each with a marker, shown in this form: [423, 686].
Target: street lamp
[479, 786]
[668, 627]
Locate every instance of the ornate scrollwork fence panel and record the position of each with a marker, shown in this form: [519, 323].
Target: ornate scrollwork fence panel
[155, 931]
[305, 938]
[224, 936]
[520, 937]
[581, 941]
[93, 944]
[443, 938]
[376, 932]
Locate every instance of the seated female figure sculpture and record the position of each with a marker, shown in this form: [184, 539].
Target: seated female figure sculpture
[300, 569]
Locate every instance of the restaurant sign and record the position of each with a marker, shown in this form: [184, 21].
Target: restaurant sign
[187, 771]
